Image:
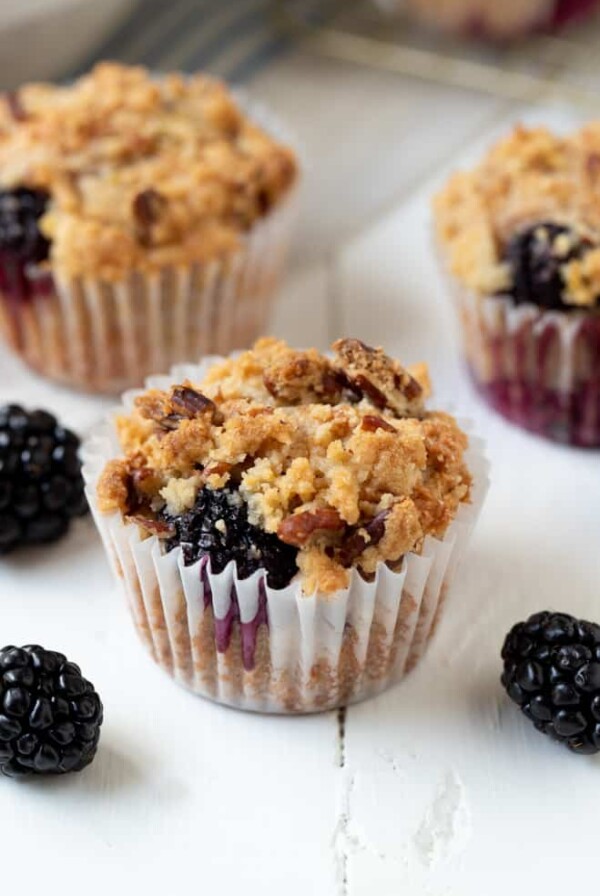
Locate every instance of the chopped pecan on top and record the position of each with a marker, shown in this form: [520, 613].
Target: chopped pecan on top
[382, 380]
[298, 528]
[147, 208]
[168, 410]
[363, 536]
[189, 402]
[15, 105]
[371, 423]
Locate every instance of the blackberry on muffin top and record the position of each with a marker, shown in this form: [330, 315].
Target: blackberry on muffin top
[525, 222]
[293, 462]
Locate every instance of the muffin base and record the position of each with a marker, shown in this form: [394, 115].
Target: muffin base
[569, 417]
[539, 369]
[241, 643]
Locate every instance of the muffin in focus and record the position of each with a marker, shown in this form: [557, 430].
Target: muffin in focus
[520, 239]
[143, 221]
[285, 524]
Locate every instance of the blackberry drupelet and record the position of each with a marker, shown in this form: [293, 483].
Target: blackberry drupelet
[50, 716]
[41, 487]
[552, 671]
[536, 257]
[217, 525]
[20, 236]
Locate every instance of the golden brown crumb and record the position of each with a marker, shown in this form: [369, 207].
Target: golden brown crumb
[346, 481]
[113, 486]
[530, 176]
[142, 172]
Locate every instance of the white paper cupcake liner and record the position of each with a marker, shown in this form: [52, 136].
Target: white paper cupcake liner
[540, 369]
[246, 645]
[106, 337]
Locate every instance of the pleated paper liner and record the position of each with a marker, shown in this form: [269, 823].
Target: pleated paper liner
[246, 645]
[540, 369]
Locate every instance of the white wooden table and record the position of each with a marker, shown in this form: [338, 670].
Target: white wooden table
[438, 787]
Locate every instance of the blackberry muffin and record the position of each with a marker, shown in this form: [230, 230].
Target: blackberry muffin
[285, 524]
[142, 221]
[492, 20]
[520, 238]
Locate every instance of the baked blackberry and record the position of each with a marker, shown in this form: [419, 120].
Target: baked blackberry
[20, 236]
[536, 257]
[552, 671]
[217, 525]
[41, 487]
[50, 715]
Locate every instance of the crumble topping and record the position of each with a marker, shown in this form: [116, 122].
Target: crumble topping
[528, 177]
[311, 447]
[141, 172]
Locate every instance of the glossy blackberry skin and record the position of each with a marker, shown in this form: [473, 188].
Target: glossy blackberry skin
[552, 671]
[50, 715]
[536, 265]
[41, 487]
[217, 526]
[20, 236]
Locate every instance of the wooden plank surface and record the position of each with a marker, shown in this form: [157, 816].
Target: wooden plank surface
[446, 788]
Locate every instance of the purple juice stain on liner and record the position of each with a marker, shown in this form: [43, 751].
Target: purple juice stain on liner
[224, 627]
[572, 418]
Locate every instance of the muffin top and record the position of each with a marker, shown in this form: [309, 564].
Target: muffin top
[526, 221]
[291, 461]
[139, 172]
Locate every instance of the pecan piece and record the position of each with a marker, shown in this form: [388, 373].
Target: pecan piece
[147, 208]
[371, 423]
[364, 536]
[383, 381]
[15, 105]
[298, 528]
[189, 402]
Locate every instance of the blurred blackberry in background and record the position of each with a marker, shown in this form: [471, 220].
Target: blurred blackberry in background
[20, 236]
[41, 487]
[536, 256]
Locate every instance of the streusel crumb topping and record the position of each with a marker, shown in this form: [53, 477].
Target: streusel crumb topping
[530, 177]
[336, 456]
[141, 172]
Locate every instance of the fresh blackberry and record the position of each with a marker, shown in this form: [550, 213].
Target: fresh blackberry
[41, 487]
[50, 716]
[552, 671]
[536, 257]
[20, 236]
[217, 525]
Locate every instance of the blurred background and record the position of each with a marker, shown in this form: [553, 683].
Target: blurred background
[376, 101]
